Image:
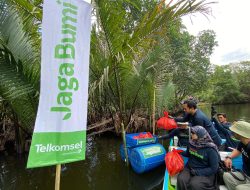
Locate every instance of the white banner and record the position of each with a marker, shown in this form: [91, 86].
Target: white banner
[60, 127]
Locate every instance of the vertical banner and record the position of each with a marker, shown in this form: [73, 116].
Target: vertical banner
[60, 129]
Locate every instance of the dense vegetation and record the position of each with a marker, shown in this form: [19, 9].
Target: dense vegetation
[142, 61]
[228, 84]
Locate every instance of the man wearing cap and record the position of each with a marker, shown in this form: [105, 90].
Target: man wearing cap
[241, 130]
[196, 117]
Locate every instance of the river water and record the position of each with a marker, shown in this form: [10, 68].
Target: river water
[102, 169]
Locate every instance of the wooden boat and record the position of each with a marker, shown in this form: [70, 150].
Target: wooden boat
[169, 183]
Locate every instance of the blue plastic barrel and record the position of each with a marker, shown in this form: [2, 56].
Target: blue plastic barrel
[147, 157]
[132, 142]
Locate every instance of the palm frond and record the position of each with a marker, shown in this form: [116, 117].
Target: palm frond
[28, 8]
[136, 52]
[24, 43]
[16, 90]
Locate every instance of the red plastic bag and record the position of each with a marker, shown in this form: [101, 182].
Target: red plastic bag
[166, 122]
[143, 136]
[174, 162]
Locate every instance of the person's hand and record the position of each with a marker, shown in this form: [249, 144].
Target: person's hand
[171, 117]
[159, 137]
[213, 111]
[228, 162]
[213, 118]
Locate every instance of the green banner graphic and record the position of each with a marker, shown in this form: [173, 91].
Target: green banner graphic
[60, 129]
[151, 151]
[56, 148]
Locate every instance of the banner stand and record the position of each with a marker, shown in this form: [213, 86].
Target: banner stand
[60, 128]
[58, 176]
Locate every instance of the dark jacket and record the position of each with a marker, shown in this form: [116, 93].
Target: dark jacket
[182, 134]
[203, 161]
[199, 118]
[218, 126]
[225, 133]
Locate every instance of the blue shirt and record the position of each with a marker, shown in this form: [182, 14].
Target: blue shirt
[199, 118]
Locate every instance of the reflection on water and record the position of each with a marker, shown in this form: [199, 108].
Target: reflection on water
[234, 111]
[102, 169]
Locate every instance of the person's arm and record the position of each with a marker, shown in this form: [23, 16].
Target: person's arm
[219, 127]
[185, 118]
[213, 162]
[170, 135]
[227, 125]
[228, 161]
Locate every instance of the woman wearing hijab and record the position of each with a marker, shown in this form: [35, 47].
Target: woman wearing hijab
[201, 168]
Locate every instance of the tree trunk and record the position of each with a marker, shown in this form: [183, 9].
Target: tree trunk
[153, 112]
[18, 139]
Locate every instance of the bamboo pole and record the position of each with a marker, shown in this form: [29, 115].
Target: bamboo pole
[58, 175]
[153, 113]
[125, 144]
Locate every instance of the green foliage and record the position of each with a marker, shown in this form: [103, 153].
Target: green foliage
[19, 63]
[133, 55]
[166, 98]
[225, 87]
[191, 61]
[243, 77]
[229, 84]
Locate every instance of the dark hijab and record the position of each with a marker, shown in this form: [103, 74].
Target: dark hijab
[204, 140]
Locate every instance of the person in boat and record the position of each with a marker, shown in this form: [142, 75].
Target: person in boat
[195, 117]
[222, 119]
[182, 132]
[222, 126]
[200, 171]
[241, 130]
